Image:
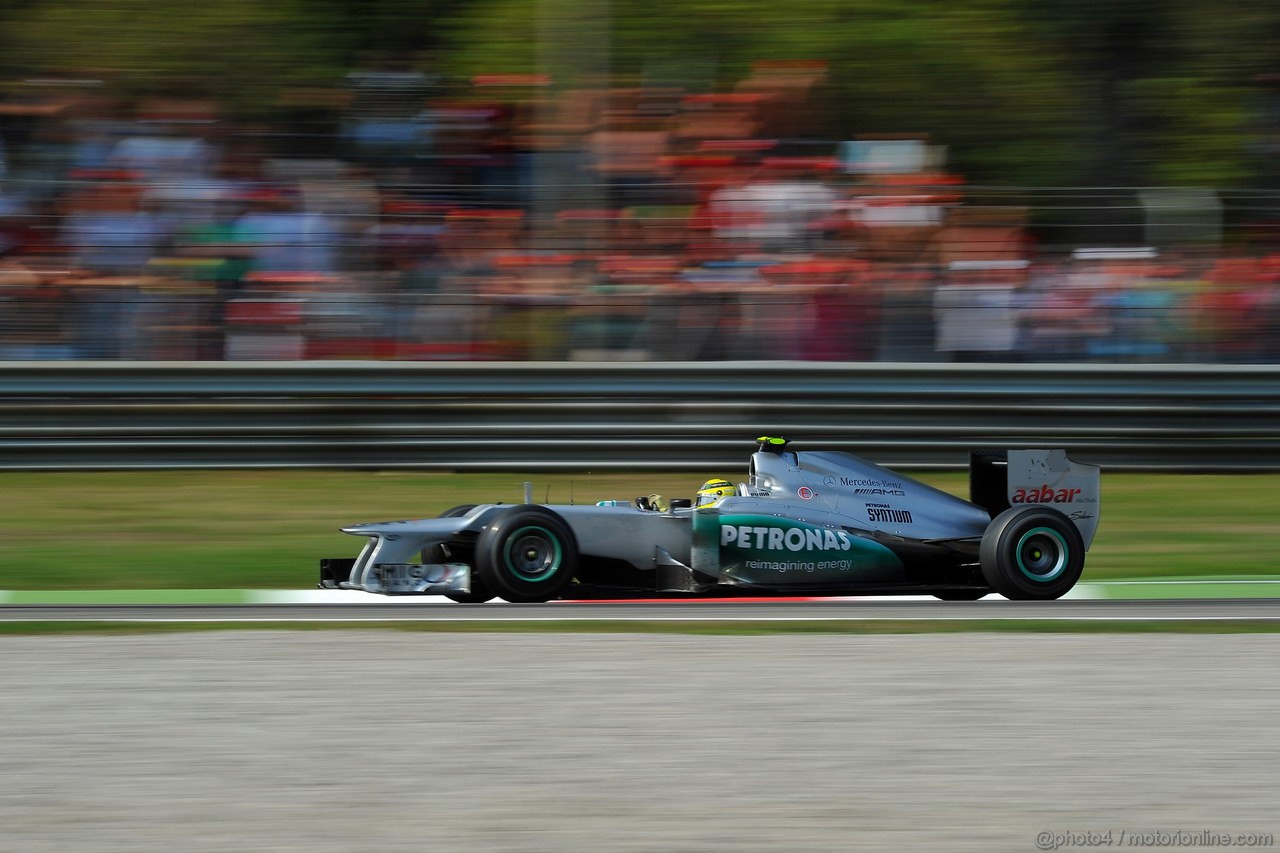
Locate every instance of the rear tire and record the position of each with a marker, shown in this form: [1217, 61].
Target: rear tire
[479, 593]
[1032, 553]
[528, 553]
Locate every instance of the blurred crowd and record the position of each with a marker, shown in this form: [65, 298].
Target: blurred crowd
[509, 219]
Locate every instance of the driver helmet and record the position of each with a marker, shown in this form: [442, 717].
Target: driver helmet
[713, 491]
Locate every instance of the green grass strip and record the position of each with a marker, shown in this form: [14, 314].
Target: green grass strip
[1207, 589]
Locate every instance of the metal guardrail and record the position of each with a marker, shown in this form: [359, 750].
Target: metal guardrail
[594, 417]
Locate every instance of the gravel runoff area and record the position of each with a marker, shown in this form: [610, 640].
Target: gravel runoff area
[367, 740]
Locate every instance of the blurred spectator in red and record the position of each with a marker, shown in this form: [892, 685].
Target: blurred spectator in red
[1230, 311]
[837, 308]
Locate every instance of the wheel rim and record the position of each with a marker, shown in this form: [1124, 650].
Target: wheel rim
[533, 554]
[1042, 554]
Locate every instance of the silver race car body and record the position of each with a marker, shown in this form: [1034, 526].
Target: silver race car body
[804, 522]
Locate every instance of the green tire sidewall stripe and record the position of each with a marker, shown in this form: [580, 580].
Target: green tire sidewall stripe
[521, 532]
[1064, 554]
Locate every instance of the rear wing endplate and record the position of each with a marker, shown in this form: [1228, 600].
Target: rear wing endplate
[999, 479]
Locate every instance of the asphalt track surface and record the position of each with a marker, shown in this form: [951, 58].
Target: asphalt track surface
[1186, 610]
[290, 741]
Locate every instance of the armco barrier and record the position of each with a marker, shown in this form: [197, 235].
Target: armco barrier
[565, 415]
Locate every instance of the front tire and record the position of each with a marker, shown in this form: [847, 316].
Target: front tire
[1032, 553]
[479, 593]
[528, 553]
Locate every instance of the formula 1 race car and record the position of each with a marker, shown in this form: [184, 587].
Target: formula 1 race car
[804, 523]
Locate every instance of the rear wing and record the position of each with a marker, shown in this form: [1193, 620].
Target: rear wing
[1000, 479]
